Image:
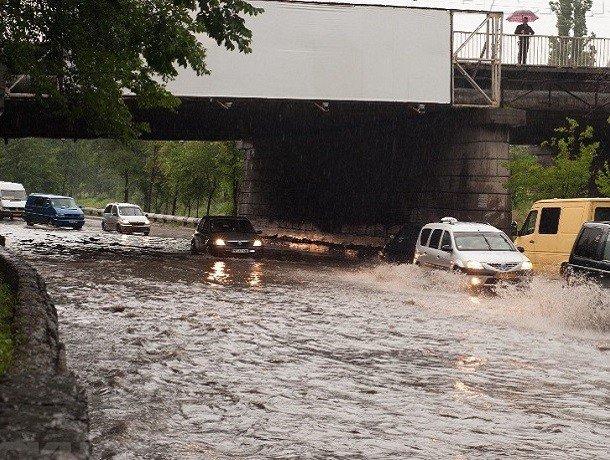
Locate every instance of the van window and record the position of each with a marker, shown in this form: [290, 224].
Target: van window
[435, 238]
[602, 215]
[446, 240]
[607, 249]
[549, 221]
[529, 226]
[39, 201]
[107, 209]
[425, 234]
[588, 243]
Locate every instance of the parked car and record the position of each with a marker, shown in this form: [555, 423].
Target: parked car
[482, 251]
[12, 199]
[401, 246]
[125, 218]
[590, 256]
[551, 227]
[223, 236]
[59, 211]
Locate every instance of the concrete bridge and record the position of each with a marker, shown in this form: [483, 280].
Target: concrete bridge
[357, 142]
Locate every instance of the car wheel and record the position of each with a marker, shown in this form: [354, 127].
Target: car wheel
[29, 224]
[77, 227]
[147, 233]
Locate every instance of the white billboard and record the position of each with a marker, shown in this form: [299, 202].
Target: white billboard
[309, 51]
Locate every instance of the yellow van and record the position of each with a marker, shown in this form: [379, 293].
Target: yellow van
[551, 227]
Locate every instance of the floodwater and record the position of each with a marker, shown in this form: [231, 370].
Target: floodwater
[188, 357]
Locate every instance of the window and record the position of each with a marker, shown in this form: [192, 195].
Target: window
[435, 238]
[108, 209]
[231, 226]
[38, 201]
[203, 225]
[130, 211]
[607, 249]
[588, 243]
[602, 215]
[115, 212]
[425, 234]
[482, 241]
[446, 240]
[549, 221]
[529, 226]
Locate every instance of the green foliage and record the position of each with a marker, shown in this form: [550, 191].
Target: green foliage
[163, 177]
[7, 342]
[603, 181]
[571, 16]
[568, 176]
[85, 53]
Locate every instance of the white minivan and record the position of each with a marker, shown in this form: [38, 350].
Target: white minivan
[12, 199]
[482, 251]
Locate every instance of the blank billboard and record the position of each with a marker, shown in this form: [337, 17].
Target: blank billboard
[310, 51]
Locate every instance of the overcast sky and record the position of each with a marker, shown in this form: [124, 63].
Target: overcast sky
[598, 21]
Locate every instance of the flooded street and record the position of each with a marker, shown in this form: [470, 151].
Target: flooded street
[188, 357]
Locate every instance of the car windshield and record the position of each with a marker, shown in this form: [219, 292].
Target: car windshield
[130, 211]
[63, 202]
[13, 195]
[482, 241]
[231, 226]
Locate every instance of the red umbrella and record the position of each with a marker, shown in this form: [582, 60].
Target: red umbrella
[519, 15]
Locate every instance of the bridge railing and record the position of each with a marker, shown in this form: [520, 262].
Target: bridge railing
[543, 50]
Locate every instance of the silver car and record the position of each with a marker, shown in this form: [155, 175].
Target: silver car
[125, 218]
[481, 251]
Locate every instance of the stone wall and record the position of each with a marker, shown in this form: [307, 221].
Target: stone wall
[43, 409]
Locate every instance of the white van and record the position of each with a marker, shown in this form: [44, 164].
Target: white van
[12, 199]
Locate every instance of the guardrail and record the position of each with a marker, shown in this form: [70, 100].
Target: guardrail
[542, 50]
[163, 218]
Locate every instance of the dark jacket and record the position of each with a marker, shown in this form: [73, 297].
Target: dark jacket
[524, 29]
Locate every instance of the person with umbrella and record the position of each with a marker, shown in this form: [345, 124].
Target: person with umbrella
[524, 31]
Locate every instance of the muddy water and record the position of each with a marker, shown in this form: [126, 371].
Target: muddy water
[188, 357]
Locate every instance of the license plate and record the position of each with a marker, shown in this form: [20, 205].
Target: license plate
[240, 251]
[507, 276]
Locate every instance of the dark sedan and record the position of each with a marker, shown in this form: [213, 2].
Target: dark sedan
[226, 236]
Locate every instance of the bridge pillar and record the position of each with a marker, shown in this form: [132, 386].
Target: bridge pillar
[470, 176]
[369, 176]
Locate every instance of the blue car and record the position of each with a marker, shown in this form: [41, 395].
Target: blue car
[59, 211]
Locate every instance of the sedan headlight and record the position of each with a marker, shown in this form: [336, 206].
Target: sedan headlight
[257, 243]
[219, 242]
[123, 221]
[474, 265]
[526, 265]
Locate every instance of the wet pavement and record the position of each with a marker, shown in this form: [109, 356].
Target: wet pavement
[189, 357]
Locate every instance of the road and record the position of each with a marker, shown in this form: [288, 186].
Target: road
[189, 357]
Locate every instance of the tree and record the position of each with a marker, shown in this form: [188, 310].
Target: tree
[571, 22]
[568, 176]
[84, 54]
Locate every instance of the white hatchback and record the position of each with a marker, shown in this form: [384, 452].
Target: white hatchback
[482, 251]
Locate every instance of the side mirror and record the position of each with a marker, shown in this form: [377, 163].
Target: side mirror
[447, 248]
[520, 249]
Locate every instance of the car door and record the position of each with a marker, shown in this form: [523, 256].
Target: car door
[107, 213]
[445, 252]
[589, 251]
[527, 236]
[113, 220]
[433, 253]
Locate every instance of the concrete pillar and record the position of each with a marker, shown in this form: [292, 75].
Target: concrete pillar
[469, 172]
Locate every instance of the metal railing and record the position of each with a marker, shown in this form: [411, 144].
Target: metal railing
[541, 50]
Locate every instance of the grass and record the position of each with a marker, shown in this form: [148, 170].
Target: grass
[7, 342]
